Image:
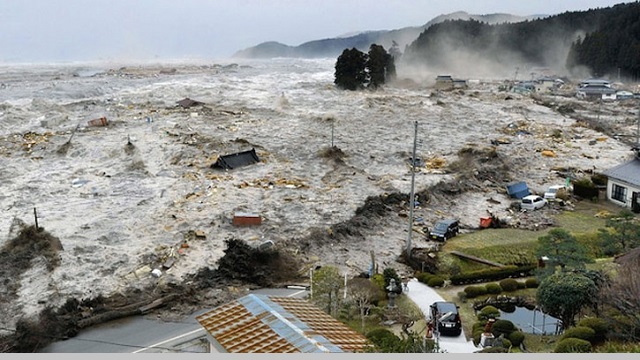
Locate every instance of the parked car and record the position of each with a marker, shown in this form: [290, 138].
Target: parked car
[532, 202]
[444, 317]
[444, 230]
[553, 191]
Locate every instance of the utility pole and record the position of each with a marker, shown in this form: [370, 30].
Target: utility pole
[332, 122]
[412, 196]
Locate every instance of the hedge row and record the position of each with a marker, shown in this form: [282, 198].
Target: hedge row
[487, 275]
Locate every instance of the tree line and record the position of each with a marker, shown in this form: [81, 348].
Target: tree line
[606, 40]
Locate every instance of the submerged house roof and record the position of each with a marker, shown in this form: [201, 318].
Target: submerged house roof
[269, 324]
[187, 103]
[628, 172]
[233, 161]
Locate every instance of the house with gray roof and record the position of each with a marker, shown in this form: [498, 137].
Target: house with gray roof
[623, 185]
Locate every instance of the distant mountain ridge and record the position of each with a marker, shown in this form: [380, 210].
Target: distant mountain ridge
[333, 47]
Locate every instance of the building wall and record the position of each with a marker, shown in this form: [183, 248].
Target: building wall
[629, 192]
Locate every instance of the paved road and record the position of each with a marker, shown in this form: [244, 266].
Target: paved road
[138, 334]
[424, 296]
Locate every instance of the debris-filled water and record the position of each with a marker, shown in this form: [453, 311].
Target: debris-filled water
[109, 160]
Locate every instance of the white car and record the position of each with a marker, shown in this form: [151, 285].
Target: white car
[532, 202]
[551, 193]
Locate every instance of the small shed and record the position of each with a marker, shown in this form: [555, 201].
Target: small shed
[246, 219]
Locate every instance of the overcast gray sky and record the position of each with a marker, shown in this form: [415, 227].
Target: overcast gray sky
[67, 30]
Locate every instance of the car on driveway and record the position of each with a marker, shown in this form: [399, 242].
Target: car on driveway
[444, 230]
[532, 202]
[445, 318]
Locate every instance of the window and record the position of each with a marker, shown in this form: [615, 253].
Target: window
[619, 193]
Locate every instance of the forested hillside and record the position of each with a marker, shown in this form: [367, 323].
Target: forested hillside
[599, 40]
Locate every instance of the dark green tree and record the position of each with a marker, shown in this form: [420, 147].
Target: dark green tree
[621, 235]
[391, 273]
[377, 64]
[350, 69]
[562, 250]
[564, 294]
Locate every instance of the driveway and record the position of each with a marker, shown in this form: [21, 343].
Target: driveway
[424, 296]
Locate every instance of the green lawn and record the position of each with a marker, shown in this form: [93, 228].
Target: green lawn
[517, 246]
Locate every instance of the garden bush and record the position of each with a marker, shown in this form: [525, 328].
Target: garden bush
[573, 345]
[501, 326]
[600, 326]
[509, 284]
[516, 337]
[522, 285]
[424, 277]
[579, 332]
[478, 325]
[585, 189]
[493, 288]
[383, 338]
[488, 312]
[473, 291]
[532, 283]
[506, 343]
[435, 281]
[487, 275]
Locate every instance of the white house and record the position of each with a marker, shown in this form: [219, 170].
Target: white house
[623, 185]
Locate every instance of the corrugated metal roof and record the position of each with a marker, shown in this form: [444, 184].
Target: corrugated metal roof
[628, 172]
[264, 324]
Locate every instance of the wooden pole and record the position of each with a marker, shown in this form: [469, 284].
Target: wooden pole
[412, 196]
[35, 215]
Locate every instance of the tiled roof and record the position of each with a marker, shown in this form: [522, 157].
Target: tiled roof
[264, 324]
[628, 172]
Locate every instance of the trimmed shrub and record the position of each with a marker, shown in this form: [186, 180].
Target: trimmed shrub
[435, 281]
[585, 189]
[509, 284]
[488, 312]
[383, 338]
[516, 337]
[600, 326]
[501, 326]
[473, 291]
[478, 325]
[573, 345]
[493, 288]
[506, 343]
[521, 285]
[487, 275]
[579, 332]
[532, 283]
[424, 277]
[462, 296]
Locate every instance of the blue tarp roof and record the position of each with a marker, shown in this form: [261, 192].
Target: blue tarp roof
[518, 190]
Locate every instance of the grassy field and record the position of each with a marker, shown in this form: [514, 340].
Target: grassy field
[517, 246]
